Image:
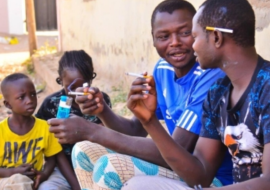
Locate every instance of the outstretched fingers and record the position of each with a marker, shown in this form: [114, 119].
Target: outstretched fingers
[37, 182]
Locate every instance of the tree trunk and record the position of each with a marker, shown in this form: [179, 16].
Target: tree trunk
[31, 25]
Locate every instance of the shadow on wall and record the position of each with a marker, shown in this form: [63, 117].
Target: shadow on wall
[262, 12]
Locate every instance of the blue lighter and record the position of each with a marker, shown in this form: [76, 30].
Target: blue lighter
[64, 107]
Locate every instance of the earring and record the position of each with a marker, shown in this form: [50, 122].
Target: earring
[94, 75]
[58, 80]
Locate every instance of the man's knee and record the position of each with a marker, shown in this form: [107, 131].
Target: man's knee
[85, 154]
[106, 173]
[89, 147]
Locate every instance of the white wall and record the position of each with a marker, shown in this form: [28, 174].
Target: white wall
[4, 28]
[263, 42]
[12, 16]
[16, 15]
[117, 34]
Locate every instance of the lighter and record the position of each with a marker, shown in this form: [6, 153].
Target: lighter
[64, 107]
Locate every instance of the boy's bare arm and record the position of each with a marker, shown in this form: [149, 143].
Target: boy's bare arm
[24, 169]
[46, 172]
[67, 171]
[49, 166]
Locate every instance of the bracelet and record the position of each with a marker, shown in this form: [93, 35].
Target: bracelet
[198, 187]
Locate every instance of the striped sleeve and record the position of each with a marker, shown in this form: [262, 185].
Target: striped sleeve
[190, 119]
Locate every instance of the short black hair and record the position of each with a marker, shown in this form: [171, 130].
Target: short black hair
[237, 15]
[79, 60]
[11, 78]
[169, 6]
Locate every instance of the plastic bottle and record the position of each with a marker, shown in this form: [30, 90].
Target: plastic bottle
[64, 107]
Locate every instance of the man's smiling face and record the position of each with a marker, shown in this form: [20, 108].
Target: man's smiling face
[172, 38]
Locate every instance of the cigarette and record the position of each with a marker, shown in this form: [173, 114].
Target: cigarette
[220, 29]
[137, 75]
[78, 93]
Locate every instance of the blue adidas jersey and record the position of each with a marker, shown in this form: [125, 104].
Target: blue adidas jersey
[180, 102]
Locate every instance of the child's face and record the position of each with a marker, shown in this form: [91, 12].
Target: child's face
[69, 76]
[21, 97]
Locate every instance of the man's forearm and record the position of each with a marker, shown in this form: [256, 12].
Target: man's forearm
[7, 172]
[181, 161]
[140, 147]
[123, 125]
[262, 183]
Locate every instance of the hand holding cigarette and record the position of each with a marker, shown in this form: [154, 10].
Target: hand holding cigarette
[142, 98]
[85, 85]
[90, 100]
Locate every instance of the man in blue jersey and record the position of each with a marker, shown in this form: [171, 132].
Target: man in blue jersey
[181, 88]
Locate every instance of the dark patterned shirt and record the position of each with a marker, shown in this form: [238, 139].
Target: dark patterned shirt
[245, 128]
[49, 108]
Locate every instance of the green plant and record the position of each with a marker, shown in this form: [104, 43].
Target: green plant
[124, 111]
[119, 97]
[118, 100]
[43, 50]
[28, 63]
[40, 87]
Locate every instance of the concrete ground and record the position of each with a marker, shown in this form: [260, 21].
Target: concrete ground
[22, 46]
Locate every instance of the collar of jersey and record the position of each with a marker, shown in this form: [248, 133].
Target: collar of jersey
[188, 77]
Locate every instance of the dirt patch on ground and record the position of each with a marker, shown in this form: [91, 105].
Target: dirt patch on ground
[118, 97]
[13, 58]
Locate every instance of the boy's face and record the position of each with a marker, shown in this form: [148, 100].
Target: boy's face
[204, 49]
[172, 37]
[71, 75]
[21, 97]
